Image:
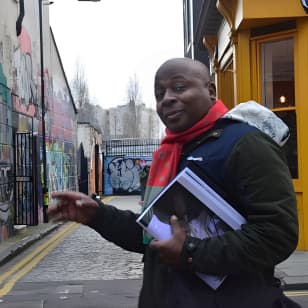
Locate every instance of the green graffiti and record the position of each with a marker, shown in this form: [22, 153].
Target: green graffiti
[4, 90]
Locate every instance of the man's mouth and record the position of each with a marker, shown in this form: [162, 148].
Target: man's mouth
[172, 115]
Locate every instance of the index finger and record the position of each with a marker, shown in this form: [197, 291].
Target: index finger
[72, 195]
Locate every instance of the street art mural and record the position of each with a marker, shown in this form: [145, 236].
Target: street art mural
[61, 154]
[61, 167]
[121, 175]
[6, 157]
[6, 198]
[24, 78]
[20, 112]
[59, 125]
[62, 116]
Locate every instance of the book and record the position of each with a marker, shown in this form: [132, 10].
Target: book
[201, 210]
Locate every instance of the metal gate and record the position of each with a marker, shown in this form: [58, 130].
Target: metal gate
[26, 207]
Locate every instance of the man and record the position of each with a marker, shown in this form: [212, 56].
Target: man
[247, 164]
[143, 177]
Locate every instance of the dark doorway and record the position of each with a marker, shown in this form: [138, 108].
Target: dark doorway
[83, 177]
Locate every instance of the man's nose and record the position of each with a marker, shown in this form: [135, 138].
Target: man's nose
[169, 97]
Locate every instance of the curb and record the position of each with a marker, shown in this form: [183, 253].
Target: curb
[23, 244]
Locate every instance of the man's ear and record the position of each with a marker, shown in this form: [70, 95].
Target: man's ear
[212, 90]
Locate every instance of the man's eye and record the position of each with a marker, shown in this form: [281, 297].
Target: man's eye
[179, 87]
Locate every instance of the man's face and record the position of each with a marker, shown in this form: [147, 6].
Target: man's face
[183, 95]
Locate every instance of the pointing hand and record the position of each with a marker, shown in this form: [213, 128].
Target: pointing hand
[74, 206]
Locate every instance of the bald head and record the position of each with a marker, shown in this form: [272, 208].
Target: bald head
[177, 65]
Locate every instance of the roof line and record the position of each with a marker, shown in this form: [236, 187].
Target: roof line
[63, 71]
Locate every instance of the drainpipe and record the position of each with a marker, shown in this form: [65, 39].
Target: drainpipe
[44, 184]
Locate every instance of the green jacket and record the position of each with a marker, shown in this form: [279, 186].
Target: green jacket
[252, 171]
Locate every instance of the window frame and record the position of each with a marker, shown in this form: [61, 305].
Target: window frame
[256, 56]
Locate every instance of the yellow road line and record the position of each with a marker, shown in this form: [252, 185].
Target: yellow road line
[107, 199]
[21, 268]
[28, 258]
[26, 264]
[295, 293]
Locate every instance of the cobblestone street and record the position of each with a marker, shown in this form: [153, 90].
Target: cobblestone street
[84, 270]
[85, 255]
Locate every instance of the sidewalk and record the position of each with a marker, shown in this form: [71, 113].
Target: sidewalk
[293, 272]
[24, 238]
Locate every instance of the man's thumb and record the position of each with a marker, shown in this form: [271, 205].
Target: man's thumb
[175, 224]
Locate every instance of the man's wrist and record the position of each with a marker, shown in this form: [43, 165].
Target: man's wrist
[189, 249]
[95, 222]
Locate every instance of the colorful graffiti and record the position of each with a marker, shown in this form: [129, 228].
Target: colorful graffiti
[6, 157]
[62, 116]
[23, 77]
[6, 190]
[121, 175]
[20, 101]
[61, 166]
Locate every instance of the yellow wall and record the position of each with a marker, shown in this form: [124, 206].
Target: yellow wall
[272, 9]
[243, 53]
[301, 66]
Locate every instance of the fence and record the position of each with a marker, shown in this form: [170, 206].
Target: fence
[130, 146]
[123, 159]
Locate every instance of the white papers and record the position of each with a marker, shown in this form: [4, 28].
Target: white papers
[193, 201]
[159, 230]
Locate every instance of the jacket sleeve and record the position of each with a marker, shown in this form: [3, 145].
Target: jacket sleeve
[259, 177]
[118, 226]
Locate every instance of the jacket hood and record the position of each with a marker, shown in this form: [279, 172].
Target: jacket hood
[261, 117]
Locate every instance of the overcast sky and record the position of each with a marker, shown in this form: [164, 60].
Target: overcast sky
[116, 39]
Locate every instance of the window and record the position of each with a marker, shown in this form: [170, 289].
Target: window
[278, 88]
[278, 73]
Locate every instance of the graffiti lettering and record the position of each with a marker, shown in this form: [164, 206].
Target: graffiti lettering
[124, 175]
[25, 83]
[6, 191]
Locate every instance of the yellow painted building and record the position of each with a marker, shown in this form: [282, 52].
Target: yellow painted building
[258, 50]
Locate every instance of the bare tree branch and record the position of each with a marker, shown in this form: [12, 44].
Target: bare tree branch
[133, 90]
[80, 87]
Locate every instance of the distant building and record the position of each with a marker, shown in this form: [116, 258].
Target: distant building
[90, 165]
[123, 121]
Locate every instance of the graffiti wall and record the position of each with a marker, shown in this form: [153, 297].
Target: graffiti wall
[61, 166]
[20, 107]
[121, 174]
[61, 132]
[25, 79]
[59, 117]
[6, 159]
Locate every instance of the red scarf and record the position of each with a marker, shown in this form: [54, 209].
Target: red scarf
[166, 158]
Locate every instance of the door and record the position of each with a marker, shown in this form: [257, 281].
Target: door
[26, 206]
